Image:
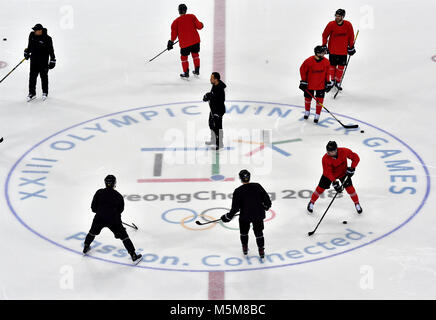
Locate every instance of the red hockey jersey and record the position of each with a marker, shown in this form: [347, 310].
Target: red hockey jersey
[335, 168]
[315, 73]
[339, 37]
[185, 28]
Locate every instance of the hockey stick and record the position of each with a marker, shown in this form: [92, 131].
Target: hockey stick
[352, 126]
[312, 232]
[12, 70]
[160, 53]
[202, 224]
[133, 226]
[348, 61]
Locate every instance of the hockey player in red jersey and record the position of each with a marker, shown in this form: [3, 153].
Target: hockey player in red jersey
[335, 167]
[339, 35]
[315, 77]
[185, 28]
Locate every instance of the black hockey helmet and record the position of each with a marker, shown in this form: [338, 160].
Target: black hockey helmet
[319, 49]
[110, 181]
[340, 12]
[182, 8]
[37, 27]
[244, 175]
[331, 146]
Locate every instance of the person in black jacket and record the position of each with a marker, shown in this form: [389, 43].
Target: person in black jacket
[39, 50]
[108, 204]
[252, 201]
[216, 98]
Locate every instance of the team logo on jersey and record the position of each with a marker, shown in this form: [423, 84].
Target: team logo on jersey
[169, 179]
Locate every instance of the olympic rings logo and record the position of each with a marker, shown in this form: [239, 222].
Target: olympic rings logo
[188, 216]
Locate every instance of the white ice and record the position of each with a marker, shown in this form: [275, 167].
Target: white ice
[101, 49]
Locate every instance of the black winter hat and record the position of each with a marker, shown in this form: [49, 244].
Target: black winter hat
[37, 27]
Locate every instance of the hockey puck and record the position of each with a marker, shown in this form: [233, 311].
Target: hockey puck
[344, 222]
[362, 131]
[4, 39]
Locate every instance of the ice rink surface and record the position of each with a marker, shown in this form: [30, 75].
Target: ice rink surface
[109, 112]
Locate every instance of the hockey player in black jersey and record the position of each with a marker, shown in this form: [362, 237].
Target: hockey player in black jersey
[108, 204]
[252, 201]
[216, 98]
[42, 58]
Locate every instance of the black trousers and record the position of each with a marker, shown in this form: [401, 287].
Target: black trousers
[195, 48]
[244, 228]
[116, 227]
[325, 182]
[337, 60]
[42, 71]
[216, 126]
[318, 93]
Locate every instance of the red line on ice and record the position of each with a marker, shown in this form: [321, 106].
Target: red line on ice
[255, 150]
[216, 285]
[216, 278]
[219, 38]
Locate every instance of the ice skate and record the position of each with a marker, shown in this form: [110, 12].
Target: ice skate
[262, 253]
[136, 258]
[358, 208]
[245, 250]
[86, 249]
[185, 75]
[310, 207]
[31, 97]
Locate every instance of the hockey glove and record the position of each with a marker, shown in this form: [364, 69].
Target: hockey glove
[350, 171]
[225, 219]
[328, 86]
[303, 85]
[351, 51]
[170, 45]
[337, 186]
[206, 97]
[26, 54]
[52, 64]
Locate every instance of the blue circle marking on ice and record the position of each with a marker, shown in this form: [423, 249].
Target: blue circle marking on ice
[194, 215]
[415, 212]
[217, 177]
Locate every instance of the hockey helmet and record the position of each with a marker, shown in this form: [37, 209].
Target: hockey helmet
[319, 49]
[244, 175]
[182, 8]
[340, 12]
[331, 146]
[110, 181]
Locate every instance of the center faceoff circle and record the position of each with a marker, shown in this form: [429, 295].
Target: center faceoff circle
[169, 179]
